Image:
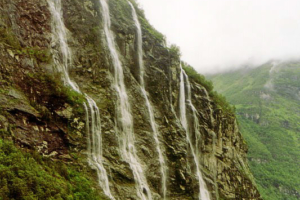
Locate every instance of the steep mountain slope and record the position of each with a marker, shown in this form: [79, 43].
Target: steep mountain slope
[78, 120]
[267, 101]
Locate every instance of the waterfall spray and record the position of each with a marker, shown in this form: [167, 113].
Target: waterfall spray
[124, 116]
[63, 60]
[161, 159]
[184, 101]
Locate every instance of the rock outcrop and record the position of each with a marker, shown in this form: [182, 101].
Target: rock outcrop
[38, 112]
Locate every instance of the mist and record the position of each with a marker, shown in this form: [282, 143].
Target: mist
[217, 35]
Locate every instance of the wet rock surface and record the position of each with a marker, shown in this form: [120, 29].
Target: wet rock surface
[40, 117]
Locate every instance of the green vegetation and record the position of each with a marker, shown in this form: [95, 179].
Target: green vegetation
[50, 92]
[122, 22]
[8, 38]
[175, 51]
[26, 176]
[151, 30]
[219, 99]
[267, 103]
[146, 26]
[124, 17]
[42, 55]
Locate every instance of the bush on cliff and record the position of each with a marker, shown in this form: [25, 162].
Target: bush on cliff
[30, 176]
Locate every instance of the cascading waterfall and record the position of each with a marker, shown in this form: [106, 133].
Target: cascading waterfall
[153, 124]
[63, 58]
[125, 120]
[184, 101]
[95, 156]
[62, 61]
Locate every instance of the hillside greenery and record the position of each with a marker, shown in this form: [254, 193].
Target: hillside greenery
[29, 176]
[268, 110]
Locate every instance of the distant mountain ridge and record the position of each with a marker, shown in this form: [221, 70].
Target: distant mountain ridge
[267, 101]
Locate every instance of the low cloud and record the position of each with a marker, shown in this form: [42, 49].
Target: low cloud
[218, 35]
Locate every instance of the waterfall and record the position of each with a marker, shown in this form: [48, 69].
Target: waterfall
[195, 149]
[94, 133]
[63, 60]
[124, 116]
[161, 159]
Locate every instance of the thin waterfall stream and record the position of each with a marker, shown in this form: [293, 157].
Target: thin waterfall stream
[163, 165]
[184, 101]
[63, 60]
[124, 116]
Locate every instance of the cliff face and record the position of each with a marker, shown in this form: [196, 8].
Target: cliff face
[39, 113]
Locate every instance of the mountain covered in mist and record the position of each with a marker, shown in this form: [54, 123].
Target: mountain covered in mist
[268, 110]
[94, 105]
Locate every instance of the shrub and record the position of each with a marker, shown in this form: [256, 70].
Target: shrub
[175, 50]
[30, 176]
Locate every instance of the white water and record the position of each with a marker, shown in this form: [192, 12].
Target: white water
[62, 61]
[195, 149]
[125, 126]
[163, 166]
[95, 156]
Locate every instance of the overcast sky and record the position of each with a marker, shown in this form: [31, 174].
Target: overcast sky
[216, 35]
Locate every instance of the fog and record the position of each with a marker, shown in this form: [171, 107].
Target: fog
[218, 35]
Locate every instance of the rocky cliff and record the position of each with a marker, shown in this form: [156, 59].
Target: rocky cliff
[39, 113]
